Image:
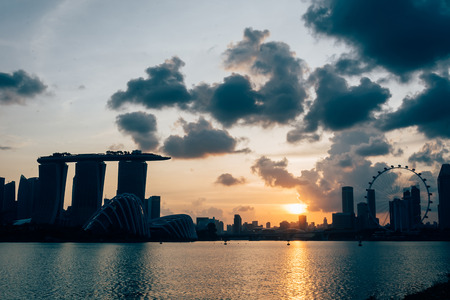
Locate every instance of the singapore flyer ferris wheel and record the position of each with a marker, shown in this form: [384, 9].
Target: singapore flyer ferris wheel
[398, 199]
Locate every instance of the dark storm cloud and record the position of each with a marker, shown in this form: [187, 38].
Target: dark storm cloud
[429, 110]
[163, 87]
[350, 66]
[375, 147]
[339, 106]
[233, 100]
[279, 100]
[431, 153]
[274, 173]
[228, 180]
[142, 128]
[200, 140]
[15, 88]
[402, 36]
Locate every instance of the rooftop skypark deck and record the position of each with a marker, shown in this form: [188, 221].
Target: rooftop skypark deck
[135, 155]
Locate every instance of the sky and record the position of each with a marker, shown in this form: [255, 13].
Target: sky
[260, 104]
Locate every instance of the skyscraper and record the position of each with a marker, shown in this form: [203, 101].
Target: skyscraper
[371, 203]
[2, 195]
[27, 196]
[413, 198]
[52, 186]
[347, 200]
[399, 215]
[444, 197]
[132, 178]
[237, 225]
[302, 222]
[87, 191]
[363, 216]
[155, 207]
[9, 212]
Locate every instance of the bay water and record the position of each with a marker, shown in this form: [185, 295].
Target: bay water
[212, 270]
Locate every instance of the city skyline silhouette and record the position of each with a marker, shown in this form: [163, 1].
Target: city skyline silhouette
[40, 202]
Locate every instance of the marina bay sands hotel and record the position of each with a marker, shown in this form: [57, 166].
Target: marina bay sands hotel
[88, 183]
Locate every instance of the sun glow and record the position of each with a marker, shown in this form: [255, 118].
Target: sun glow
[296, 208]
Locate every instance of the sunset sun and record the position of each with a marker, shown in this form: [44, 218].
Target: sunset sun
[296, 208]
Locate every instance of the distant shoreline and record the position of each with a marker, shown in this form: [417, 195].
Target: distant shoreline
[48, 233]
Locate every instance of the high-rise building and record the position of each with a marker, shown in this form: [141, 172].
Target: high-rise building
[268, 225]
[87, 191]
[132, 178]
[363, 217]
[444, 197]
[413, 198]
[302, 222]
[9, 211]
[399, 215]
[237, 225]
[2, 195]
[371, 203]
[52, 186]
[152, 207]
[155, 207]
[347, 200]
[27, 196]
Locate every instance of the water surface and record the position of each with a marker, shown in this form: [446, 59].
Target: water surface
[211, 270]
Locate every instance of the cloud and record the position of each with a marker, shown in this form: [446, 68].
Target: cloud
[198, 202]
[402, 36]
[205, 212]
[211, 212]
[15, 88]
[166, 211]
[435, 152]
[115, 147]
[244, 51]
[5, 148]
[233, 100]
[274, 173]
[228, 180]
[375, 147]
[338, 106]
[276, 99]
[164, 87]
[200, 140]
[280, 99]
[298, 134]
[350, 66]
[142, 128]
[346, 164]
[243, 209]
[428, 110]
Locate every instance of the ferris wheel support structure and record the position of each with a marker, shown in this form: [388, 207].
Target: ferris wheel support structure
[371, 194]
